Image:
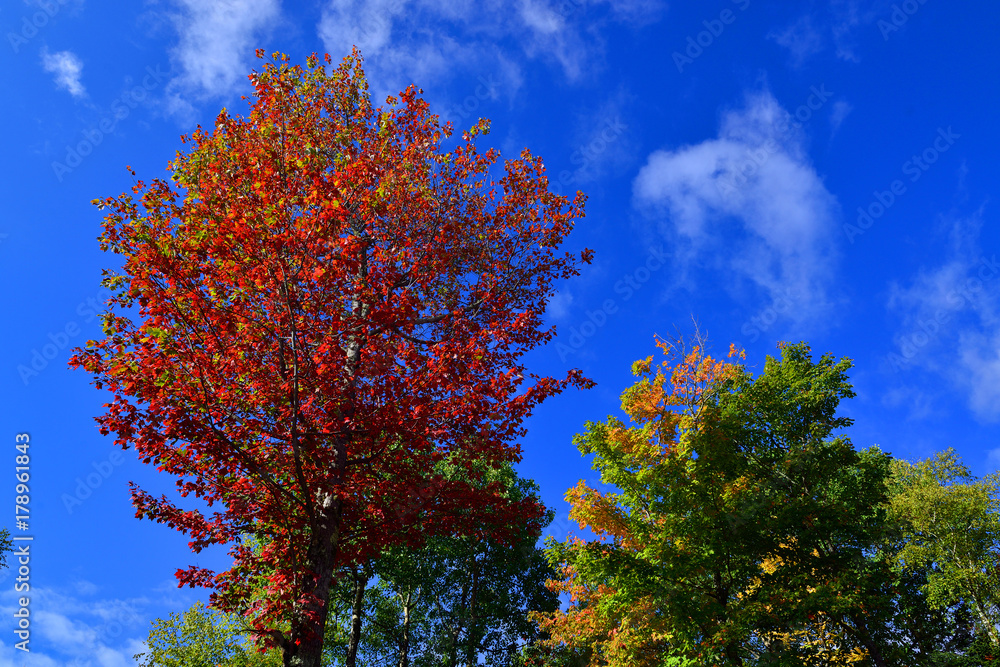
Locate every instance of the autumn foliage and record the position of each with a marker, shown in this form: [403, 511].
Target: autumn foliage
[325, 302]
[316, 330]
[730, 525]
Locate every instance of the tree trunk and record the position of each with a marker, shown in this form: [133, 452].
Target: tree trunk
[404, 638]
[721, 595]
[472, 640]
[456, 627]
[866, 639]
[733, 654]
[304, 644]
[361, 577]
[985, 623]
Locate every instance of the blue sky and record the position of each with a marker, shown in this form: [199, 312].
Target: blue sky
[817, 171]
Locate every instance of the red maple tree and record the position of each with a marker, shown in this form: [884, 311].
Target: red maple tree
[331, 307]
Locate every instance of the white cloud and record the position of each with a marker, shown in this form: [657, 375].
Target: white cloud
[979, 357]
[636, 12]
[841, 110]
[423, 42]
[845, 19]
[950, 319]
[216, 46]
[80, 630]
[429, 42]
[601, 142]
[556, 29]
[559, 304]
[800, 38]
[541, 18]
[832, 23]
[551, 35]
[919, 404]
[993, 459]
[367, 25]
[750, 203]
[85, 588]
[67, 68]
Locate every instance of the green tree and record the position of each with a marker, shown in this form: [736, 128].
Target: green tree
[459, 600]
[926, 635]
[951, 534]
[716, 474]
[6, 546]
[200, 637]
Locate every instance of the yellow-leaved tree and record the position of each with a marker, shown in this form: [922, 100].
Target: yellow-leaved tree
[731, 523]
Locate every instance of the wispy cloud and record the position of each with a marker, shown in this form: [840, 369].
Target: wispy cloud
[430, 42]
[800, 38]
[554, 29]
[828, 24]
[993, 458]
[559, 304]
[602, 142]
[918, 404]
[748, 202]
[844, 19]
[980, 356]
[215, 50]
[68, 630]
[841, 110]
[67, 68]
[949, 318]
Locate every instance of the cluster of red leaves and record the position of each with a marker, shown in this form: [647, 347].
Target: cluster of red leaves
[330, 305]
